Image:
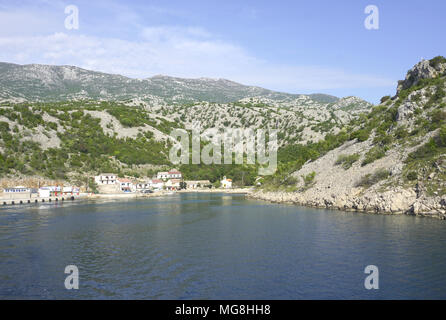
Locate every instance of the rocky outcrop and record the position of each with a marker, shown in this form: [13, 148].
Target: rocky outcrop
[377, 175]
[398, 201]
[336, 188]
[406, 110]
[423, 70]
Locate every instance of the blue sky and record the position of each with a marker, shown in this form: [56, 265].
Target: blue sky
[293, 46]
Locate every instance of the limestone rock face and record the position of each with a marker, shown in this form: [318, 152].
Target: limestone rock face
[405, 110]
[398, 201]
[422, 70]
[377, 178]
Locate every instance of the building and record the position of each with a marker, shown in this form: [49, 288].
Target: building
[105, 179]
[141, 186]
[156, 184]
[44, 192]
[226, 183]
[172, 174]
[162, 175]
[125, 184]
[175, 174]
[18, 189]
[51, 191]
[70, 190]
[173, 184]
[194, 184]
[18, 192]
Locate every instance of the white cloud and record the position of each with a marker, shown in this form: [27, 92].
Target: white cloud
[173, 33]
[177, 51]
[34, 33]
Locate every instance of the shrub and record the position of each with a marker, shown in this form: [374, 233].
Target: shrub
[347, 160]
[361, 134]
[437, 61]
[401, 132]
[4, 126]
[383, 139]
[418, 111]
[371, 179]
[441, 139]
[384, 99]
[309, 178]
[52, 125]
[426, 151]
[412, 175]
[373, 154]
[290, 181]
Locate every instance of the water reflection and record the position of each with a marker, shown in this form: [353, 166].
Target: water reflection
[216, 246]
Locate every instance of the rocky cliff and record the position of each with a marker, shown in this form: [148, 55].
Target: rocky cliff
[394, 162]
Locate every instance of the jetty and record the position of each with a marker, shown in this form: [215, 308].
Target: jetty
[6, 202]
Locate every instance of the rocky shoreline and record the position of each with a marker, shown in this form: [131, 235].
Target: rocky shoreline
[399, 201]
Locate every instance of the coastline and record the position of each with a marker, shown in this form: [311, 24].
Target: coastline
[235, 190]
[117, 196]
[124, 195]
[165, 193]
[395, 202]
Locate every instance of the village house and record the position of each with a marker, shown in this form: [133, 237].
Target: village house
[125, 184]
[226, 183]
[156, 184]
[162, 175]
[194, 184]
[105, 179]
[173, 174]
[141, 186]
[173, 184]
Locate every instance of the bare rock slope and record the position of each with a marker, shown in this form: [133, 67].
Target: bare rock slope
[398, 168]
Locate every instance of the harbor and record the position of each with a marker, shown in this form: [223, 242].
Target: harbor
[6, 202]
[25, 195]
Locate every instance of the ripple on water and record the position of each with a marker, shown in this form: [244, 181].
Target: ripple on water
[211, 246]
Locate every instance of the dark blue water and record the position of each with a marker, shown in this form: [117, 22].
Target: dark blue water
[215, 246]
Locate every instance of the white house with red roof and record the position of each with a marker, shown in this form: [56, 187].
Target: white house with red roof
[125, 184]
[226, 183]
[175, 174]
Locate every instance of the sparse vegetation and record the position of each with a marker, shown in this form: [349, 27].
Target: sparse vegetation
[375, 153]
[346, 161]
[385, 98]
[436, 61]
[309, 179]
[371, 179]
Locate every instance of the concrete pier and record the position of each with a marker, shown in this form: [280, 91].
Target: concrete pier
[6, 202]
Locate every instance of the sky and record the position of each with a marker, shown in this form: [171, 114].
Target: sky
[317, 46]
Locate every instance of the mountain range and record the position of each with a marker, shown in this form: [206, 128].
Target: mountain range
[67, 123]
[64, 122]
[35, 82]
